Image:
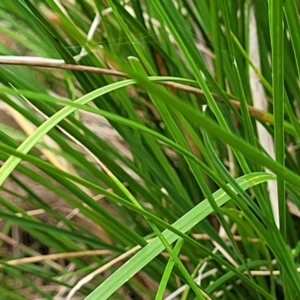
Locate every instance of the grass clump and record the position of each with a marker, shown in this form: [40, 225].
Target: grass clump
[149, 149]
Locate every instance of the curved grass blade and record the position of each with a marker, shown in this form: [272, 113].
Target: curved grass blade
[184, 224]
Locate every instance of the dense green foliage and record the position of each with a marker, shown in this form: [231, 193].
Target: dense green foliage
[200, 197]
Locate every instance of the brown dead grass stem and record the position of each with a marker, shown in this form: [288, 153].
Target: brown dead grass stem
[58, 64]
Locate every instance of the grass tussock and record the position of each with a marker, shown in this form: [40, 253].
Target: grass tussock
[149, 149]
